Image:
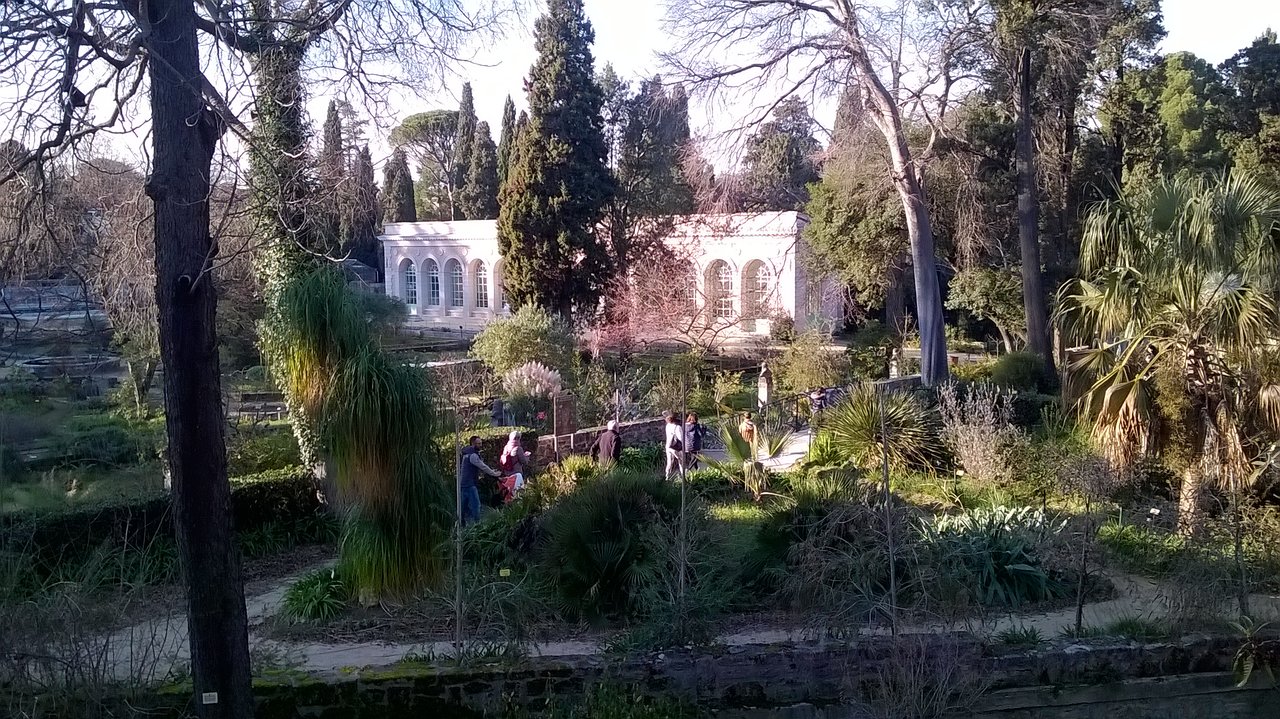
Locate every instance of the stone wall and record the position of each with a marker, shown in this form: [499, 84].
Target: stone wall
[636, 433]
[1065, 680]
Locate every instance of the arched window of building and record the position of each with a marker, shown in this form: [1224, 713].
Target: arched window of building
[433, 283]
[409, 285]
[757, 286]
[481, 278]
[454, 269]
[688, 285]
[720, 290]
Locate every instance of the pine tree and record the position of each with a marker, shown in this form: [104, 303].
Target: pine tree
[507, 139]
[363, 243]
[559, 185]
[466, 139]
[397, 190]
[479, 197]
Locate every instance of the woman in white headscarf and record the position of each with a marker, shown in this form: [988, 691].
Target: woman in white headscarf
[514, 460]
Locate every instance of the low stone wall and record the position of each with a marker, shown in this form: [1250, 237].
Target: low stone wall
[638, 432]
[1065, 680]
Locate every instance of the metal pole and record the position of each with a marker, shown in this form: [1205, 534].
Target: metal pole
[684, 486]
[457, 537]
[888, 513]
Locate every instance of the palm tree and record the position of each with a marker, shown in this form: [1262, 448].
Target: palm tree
[1183, 276]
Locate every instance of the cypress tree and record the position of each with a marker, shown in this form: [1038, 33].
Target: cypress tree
[559, 184]
[332, 166]
[465, 141]
[479, 197]
[397, 190]
[332, 156]
[506, 139]
[363, 243]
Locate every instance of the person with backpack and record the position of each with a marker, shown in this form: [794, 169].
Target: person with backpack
[607, 449]
[674, 444]
[693, 431]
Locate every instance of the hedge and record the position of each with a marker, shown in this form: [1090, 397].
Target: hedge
[282, 496]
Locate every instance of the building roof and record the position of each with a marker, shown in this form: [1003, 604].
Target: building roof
[741, 224]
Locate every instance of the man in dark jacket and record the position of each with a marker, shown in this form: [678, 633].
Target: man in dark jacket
[469, 468]
[607, 448]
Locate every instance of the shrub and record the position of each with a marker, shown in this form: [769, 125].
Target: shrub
[262, 450]
[106, 441]
[1023, 371]
[855, 428]
[824, 547]
[600, 549]
[869, 350]
[782, 328]
[1020, 636]
[977, 427]
[991, 555]
[710, 483]
[319, 596]
[530, 335]
[973, 371]
[642, 458]
[809, 362]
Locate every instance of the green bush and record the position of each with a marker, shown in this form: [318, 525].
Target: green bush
[824, 546]
[991, 555]
[319, 596]
[711, 483]
[1023, 371]
[261, 450]
[973, 371]
[105, 441]
[644, 458]
[530, 335]
[869, 350]
[282, 499]
[600, 544]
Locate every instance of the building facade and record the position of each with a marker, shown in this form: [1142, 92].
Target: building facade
[742, 271]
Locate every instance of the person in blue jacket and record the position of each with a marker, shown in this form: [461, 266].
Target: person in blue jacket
[469, 469]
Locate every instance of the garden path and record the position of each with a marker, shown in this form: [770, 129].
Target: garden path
[155, 647]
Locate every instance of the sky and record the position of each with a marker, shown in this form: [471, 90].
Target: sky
[629, 35]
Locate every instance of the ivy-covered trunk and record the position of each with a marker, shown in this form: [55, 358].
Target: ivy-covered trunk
[281, 191]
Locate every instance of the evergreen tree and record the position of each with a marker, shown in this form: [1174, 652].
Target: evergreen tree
[614, 111]
[363, 237]
[332, 160]
[462, 146]
[559, 184]
[780, 158]
[507, 139]
[397, 190]
[479, 196]
[331, 165]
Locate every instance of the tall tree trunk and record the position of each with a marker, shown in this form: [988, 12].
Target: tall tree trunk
[906, 180]
[1033, 299]
[184, 135]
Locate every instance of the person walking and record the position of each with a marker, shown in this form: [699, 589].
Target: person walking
[675, 445]
[470, 465]
[693, 432]
[607, 449]
[747, 429]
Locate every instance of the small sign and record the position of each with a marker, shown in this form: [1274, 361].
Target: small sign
[209, 698]
[564, 415]
[504, 572]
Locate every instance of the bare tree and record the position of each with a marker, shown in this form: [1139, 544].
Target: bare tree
[901, 55]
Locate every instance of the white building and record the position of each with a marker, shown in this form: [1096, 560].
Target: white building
[745, 268]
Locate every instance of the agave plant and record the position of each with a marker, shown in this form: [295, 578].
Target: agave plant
[743, 460]
[1180, 275]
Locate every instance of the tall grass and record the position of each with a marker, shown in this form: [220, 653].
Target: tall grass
[375, 419]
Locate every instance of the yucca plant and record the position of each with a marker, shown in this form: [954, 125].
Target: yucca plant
[910, 433]
[992, 554]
